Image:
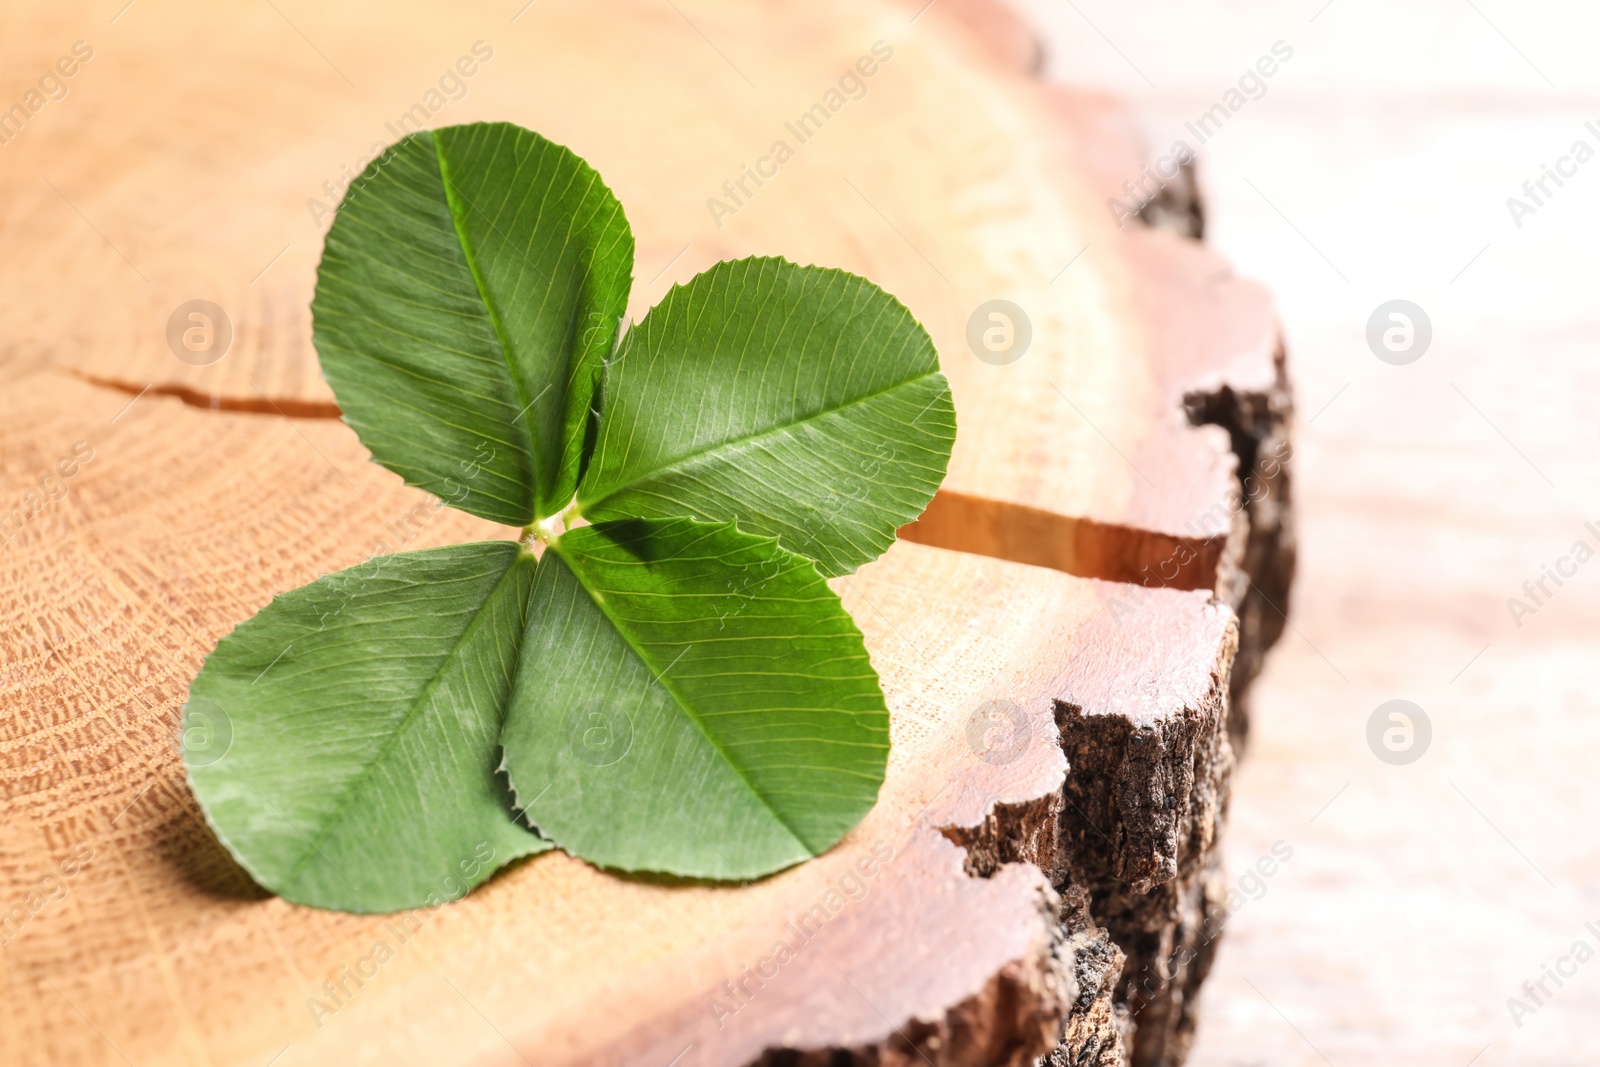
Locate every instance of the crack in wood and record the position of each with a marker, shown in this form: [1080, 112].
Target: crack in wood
[257, 405]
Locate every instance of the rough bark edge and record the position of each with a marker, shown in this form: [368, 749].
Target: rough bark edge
[1011, 1022]
[1257, 570]
[1143, 920]
[1024, 832]
[1142, 817]
[1098, 1031]
[1141, 879]
[1144, 944]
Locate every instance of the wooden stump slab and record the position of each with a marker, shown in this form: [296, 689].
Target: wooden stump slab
[1060, 750]
[172, 955]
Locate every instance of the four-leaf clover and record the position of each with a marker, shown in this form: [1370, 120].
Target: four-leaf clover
[657, 676]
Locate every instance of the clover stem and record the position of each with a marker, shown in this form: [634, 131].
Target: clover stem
[548, 529]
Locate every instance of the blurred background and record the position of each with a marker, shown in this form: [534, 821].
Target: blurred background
[1376, 165]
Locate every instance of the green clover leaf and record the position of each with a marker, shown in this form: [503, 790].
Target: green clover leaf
[658, 677]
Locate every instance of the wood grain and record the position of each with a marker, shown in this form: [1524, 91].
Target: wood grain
[147, 218]
[159, 546]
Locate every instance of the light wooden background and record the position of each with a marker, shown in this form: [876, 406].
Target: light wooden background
[1423, 896]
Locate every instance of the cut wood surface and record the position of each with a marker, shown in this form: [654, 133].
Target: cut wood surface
[1057, 738]
[955, 180]
[163, 945]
